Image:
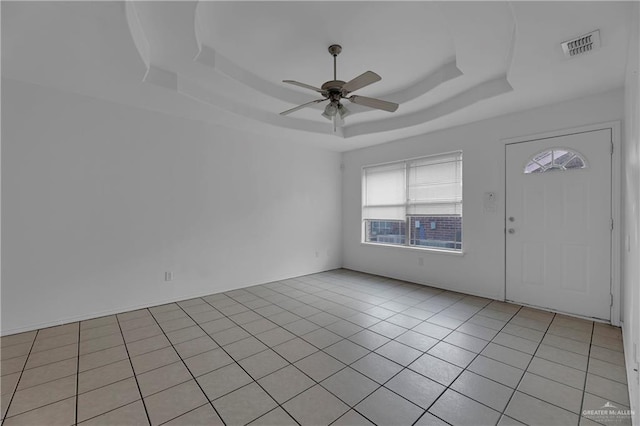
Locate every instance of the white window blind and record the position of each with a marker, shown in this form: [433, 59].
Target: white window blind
[435, 185]
[384, 192]
[425, 186]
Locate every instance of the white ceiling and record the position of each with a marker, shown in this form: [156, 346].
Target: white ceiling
[445, 63]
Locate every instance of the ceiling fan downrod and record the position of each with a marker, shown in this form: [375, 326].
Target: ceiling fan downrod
[335, 50]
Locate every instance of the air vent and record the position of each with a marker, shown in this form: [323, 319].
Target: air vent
[583, 44]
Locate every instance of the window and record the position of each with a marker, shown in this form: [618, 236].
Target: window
[416, 203]
[554, 160]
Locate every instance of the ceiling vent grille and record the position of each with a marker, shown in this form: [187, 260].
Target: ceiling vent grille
[583, 44]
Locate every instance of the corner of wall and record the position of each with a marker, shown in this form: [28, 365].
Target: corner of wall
[631, 208]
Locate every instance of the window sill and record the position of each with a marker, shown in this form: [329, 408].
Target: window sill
[419, 249]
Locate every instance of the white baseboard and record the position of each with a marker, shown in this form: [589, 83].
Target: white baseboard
[93, 315]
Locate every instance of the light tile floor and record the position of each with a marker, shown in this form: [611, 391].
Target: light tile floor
[339, 347]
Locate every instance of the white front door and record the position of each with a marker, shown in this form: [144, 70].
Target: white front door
[558, 222]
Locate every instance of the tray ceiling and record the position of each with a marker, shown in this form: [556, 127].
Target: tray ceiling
[445, 63]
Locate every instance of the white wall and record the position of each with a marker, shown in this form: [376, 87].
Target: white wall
[631, 204]
[100, 199]
[480, 270]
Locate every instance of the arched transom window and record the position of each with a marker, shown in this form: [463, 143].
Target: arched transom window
[555, 159]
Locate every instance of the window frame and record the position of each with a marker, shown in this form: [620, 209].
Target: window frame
[408, 217]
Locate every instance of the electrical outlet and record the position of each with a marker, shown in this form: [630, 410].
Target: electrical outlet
[168, 276]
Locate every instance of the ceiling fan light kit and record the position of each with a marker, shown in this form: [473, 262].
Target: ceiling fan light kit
[335, 90]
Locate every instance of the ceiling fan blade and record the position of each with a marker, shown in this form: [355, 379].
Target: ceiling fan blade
[374, 103]
[361, 81]
[289, 111]
[306, 86]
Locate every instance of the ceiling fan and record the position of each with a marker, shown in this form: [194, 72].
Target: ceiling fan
[335, 90]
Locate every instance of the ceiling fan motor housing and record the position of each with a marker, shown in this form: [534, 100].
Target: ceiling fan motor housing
[333, 89]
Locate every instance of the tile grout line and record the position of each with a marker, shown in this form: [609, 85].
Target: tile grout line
[319, 350]
[443, 308]
[393, 339]
[527, 367]
[15, 390]
[318, 383]
[49, 381]
[7, 346]
[39, 352]
[507, 322]
[351, 407]
[465, 369]
[95, 368]
[135, 377]
[478, 312]
[264, 350]
[187, 367]
[208, 335]
[407, 368]
[243, 369]
[296, 337]
[391, 360]
[586, 375]
[38, 408]
[66, 344]
[98, 350]
[112, 409]
[563, 365]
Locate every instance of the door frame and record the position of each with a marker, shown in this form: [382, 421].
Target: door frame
[616, 210]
